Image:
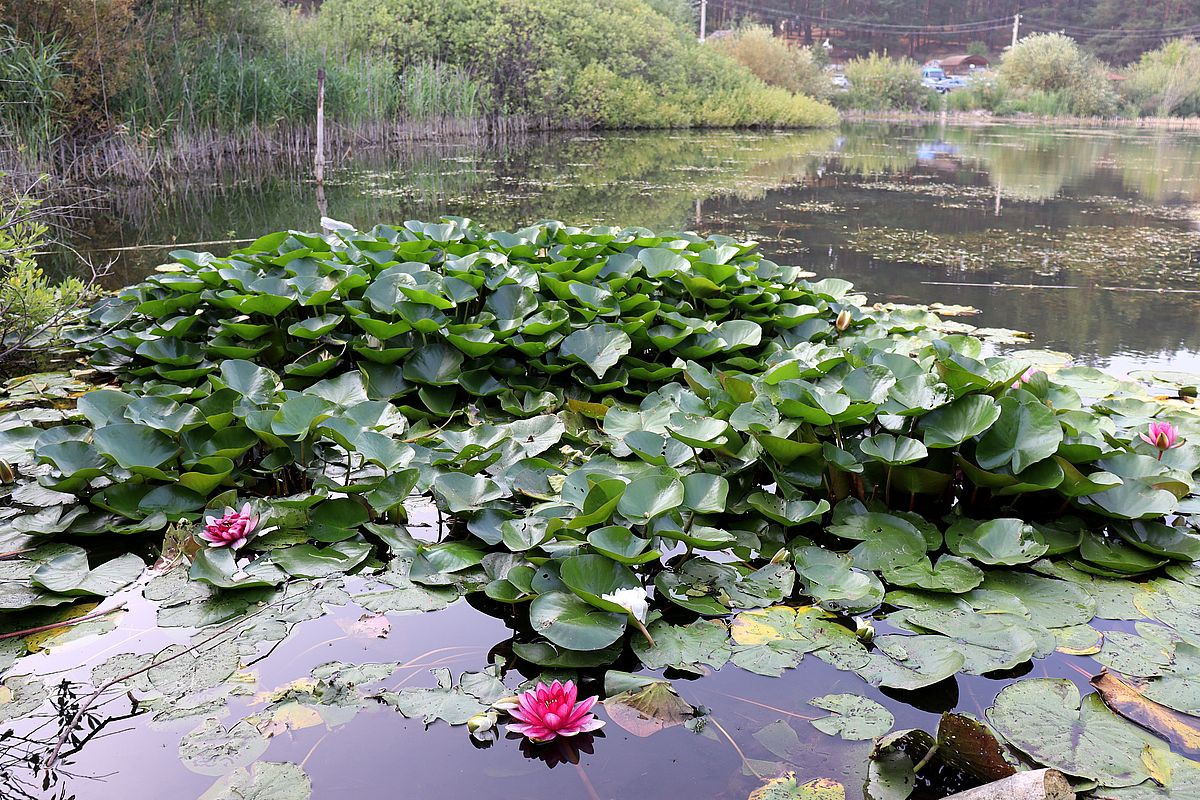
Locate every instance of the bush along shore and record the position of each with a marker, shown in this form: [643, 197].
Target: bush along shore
[1046, 77]
[132, 92]
[642, 446]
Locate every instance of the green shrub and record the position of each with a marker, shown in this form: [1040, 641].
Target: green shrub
[31, 304]
[1051, 65]
[1166, 81]
[558, 60]
[878, 82]
[775, 62]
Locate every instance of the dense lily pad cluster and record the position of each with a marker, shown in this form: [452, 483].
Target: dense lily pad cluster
[606, 417]
[581, 402]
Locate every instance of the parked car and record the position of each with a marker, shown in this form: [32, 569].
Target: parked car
[840, 82]
[952, 82]
[932, 76]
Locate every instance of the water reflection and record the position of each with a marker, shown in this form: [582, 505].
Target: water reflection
[969, 214]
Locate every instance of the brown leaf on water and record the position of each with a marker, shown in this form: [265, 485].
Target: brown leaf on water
[970, 746]
[1181, 730]
[648, 710]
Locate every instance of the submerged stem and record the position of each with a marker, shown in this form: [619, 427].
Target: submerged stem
[742, 755]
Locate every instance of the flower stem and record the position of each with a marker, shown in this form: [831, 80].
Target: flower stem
[637, 623]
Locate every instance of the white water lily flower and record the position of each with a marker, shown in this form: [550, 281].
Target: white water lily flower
[632, 600]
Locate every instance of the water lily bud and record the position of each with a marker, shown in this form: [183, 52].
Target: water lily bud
[7, 473]
[865, 631]
[843, 320]
[506, 703]
[482, 722]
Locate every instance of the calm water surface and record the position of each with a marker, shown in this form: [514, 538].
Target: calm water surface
[1087, 239]
[1104, 225]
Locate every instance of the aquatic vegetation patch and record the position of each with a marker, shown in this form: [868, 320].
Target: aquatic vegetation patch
[641, 448]
[1117, 255]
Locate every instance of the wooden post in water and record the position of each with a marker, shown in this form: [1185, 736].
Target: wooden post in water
[319, 158]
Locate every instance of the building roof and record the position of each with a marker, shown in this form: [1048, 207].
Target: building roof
[963, 61]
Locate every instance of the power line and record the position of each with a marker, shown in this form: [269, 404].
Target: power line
[977, 26]
[1128, 33]
[879, 27]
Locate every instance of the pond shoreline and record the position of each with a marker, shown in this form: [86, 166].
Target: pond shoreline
[986, 118]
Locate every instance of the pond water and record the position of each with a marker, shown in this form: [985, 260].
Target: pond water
[1087, 239]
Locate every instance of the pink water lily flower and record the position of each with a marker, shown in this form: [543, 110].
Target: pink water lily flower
[232, 530]
[1026, 377]
[1163, 436]
[547, 712]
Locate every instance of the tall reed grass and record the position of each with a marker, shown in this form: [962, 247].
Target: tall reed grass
[30, 72]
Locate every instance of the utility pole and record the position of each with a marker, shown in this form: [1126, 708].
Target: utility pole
[1016, 27]
[703, 17]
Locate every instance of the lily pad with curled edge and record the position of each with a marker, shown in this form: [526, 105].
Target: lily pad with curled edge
[986, 641]
[1160, 539]
[886, 540]
[893, 450]
[833, 583]
[951, 425]
[619, 544]
[890, 774]
[1005, 541]
[688, 648]
[570, 622]
[1114, 557]
[547, 654]
[911, 662]
[787, 512]
[1046, 719]
[854, 717]
[948, 574]
[1078, 640]
[647, 497]
[643, 705]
